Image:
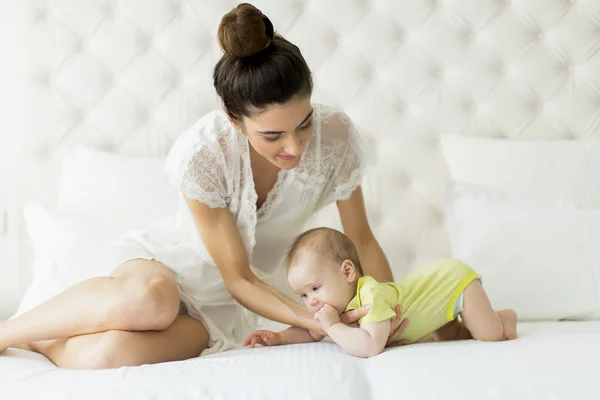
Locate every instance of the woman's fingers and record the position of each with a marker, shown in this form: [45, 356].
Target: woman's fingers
[401, 327]
[258, 340]
[397, 326]
[396, 322]
[249, 340]
[397, 319]
[397, 332]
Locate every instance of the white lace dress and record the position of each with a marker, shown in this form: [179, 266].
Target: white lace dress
[210, 162]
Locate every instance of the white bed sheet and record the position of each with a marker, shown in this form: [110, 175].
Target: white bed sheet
[559, 360]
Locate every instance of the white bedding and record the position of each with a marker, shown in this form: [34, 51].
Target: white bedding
[130, 76]
[559, 360]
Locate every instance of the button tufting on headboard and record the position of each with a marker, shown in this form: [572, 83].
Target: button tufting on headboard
[132, 75]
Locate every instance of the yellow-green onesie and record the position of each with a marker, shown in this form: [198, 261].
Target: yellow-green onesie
[428, 296]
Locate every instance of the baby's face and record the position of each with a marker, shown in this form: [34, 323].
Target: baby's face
[319, 282]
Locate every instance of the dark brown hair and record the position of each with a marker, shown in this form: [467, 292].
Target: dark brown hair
[259, 67]
[329, 243]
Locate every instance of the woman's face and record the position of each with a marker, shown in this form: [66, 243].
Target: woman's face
[281, 132]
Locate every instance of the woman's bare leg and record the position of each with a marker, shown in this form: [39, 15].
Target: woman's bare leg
[139, 295]
[184, 339]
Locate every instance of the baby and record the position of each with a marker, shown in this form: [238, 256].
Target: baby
[324, 269]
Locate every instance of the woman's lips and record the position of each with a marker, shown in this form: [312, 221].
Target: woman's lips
[286, 157]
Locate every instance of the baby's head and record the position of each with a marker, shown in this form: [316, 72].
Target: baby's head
[323, 268]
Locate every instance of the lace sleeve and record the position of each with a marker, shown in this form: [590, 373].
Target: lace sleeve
[198, 168]
[204, 178]
[350, 153]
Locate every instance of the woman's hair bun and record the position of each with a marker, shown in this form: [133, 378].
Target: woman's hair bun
[244, 31]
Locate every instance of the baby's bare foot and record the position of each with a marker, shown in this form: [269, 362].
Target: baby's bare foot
[509, 323]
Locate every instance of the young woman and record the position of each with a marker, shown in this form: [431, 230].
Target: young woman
[250, 176]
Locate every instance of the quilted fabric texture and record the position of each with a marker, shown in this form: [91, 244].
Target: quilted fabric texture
[131, 75]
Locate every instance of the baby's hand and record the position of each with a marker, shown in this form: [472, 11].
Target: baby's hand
[264, 338]
[327, 316]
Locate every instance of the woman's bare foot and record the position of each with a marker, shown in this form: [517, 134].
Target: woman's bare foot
[3, 346]
[509, 323]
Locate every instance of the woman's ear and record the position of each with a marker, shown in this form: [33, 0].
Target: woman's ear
[349, 270]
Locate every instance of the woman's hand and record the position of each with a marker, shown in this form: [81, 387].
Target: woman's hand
[397, 324]
[264, 338]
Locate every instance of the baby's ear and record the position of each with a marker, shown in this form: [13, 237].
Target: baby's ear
[349, 270]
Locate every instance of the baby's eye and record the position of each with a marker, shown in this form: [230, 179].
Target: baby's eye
[303, 295]
[315, 288]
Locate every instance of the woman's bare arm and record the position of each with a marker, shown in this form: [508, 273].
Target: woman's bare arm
[374, 262]
[356, 227]
[224, 243]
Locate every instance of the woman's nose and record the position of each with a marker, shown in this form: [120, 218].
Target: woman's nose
[293, 146]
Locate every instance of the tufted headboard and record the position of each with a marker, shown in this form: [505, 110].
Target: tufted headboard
[130, 75]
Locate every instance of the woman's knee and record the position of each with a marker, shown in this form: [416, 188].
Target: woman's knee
[150, 297]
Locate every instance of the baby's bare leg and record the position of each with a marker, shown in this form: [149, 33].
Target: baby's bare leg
[509, 323]
[492, 320]
[456, 329]
[482, 321]
[453, 330]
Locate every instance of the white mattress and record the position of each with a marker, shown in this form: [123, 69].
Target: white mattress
[558, 360]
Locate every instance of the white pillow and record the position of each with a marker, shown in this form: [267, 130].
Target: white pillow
[566, 170]
[95, 181]
[538, 257]
[102, 196]
[69, 249]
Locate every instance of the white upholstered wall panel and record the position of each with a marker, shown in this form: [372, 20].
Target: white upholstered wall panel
[131, 75]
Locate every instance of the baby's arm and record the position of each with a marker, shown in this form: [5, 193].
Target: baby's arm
[366, 341]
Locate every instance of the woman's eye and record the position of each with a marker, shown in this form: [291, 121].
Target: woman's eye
[305, 127]
[274, 139]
